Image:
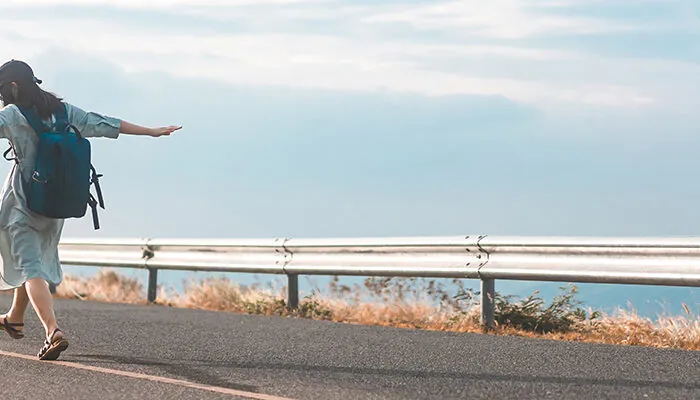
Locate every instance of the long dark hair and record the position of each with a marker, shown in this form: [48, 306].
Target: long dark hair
[29, 94]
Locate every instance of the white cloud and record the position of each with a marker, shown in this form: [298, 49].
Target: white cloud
[495, 18]
[312, 61]
[366, 59]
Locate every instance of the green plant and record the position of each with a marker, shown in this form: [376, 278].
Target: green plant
[264, 306]
[310, 307]
[563, 314]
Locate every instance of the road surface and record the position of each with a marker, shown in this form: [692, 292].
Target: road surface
[136, 352]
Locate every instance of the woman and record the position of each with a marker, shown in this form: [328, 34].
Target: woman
[29, 241]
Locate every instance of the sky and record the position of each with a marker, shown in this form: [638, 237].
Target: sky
[331, 118]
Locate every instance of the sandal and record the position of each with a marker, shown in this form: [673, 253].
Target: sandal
[9, 327]
[53, 347]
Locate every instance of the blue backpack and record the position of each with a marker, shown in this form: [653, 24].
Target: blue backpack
[60, 184]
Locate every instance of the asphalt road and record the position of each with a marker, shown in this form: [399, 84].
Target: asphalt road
[140, 347]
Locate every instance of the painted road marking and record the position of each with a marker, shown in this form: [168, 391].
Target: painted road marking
[153, 378]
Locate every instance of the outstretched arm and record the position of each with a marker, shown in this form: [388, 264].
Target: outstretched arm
[133, 129]
[92, 124]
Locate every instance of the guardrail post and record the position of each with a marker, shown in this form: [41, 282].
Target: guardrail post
[292, 290]
[488, 294]
[152, 284]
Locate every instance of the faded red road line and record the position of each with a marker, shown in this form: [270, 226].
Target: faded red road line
[153, 378]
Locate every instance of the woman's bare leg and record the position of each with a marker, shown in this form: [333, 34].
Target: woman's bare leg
[42, 301]
[20, 301]
[40, 296]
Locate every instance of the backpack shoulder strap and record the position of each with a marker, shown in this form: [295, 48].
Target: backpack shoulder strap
[62, 123]
[33, 118]
[61, 115]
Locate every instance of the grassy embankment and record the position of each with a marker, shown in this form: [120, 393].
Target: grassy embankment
[410, 303]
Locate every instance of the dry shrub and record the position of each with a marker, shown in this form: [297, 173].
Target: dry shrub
[678, 332]
[214, 294]
[107, 285]
[413, 316]
[221, 294]
[410, 303]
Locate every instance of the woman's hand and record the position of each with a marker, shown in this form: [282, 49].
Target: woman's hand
[164, 131]
[133, 129]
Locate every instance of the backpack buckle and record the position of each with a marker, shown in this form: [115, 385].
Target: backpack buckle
[35, 178]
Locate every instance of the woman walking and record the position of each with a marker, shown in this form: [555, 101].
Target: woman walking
[29, 241]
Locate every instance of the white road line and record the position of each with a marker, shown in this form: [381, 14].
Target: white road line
[153, 378]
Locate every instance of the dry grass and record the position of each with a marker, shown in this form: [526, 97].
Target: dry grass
[106, 286]
[410, 303]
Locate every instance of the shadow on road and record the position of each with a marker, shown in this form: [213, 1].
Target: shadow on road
[194, 371]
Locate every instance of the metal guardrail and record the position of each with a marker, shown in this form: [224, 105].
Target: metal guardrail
[648, 261]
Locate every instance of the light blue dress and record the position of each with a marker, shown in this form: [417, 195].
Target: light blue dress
[28, 241]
